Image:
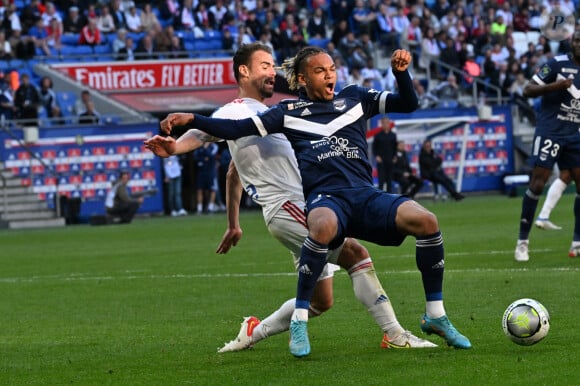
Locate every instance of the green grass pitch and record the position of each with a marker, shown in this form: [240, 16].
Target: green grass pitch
[149, 304]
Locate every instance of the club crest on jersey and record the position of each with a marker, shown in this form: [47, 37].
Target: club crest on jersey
[298, 105]
[339, 104]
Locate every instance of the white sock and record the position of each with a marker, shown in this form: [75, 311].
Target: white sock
[552, 197]
[279, 321]
[435, 309]
[369, 291]
[199, 207]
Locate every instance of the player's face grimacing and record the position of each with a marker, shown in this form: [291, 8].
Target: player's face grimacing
[263, 73]
[319, 77]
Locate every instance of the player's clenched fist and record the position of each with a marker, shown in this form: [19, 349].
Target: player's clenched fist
[175, 119]
[401, 60]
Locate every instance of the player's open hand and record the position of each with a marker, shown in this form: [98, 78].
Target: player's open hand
[175, 119]
[230, 239]
[161, 146]
[400, 60]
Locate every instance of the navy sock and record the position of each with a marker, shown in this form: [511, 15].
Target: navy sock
[529, 205]
[312, 261]
[431, 262]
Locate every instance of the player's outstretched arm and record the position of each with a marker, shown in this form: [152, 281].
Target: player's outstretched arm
[534, 89]
[233, 196]
[174, 120]
[405, 101]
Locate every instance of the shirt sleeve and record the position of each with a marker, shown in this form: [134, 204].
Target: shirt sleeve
[270, 121]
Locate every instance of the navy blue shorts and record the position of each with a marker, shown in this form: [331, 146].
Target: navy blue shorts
[364, 213]
[565, 151]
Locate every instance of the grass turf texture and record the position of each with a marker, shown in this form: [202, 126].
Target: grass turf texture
[150, 302]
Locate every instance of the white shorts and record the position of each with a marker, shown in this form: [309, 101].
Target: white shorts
[289, 227]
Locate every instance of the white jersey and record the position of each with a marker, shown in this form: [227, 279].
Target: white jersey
[267, 166]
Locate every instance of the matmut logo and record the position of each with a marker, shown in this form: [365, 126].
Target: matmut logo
[339, 147]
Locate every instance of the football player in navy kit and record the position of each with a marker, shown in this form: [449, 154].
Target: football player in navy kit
[328, 134]
[556, 139]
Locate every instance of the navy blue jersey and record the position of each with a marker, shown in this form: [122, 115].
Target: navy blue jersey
[558, 115]
[328, 137]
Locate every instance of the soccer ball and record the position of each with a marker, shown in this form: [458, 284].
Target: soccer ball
[526, 322]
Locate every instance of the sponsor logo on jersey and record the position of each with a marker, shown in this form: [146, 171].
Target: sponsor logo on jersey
[298, 105]
[339, 104]
[569, 70]
[305, 112]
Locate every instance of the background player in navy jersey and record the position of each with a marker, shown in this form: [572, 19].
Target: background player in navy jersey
[328, 135]
[556, 139]
[266, 167]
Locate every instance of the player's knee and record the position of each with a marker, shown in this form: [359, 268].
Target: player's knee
[352, 253]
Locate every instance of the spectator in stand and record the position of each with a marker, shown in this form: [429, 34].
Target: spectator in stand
[169, 9]
[369, 71]
[449, 56]
[146, 49]
[39, 36]
[384, 149]
[186, 19]
[51, 13]
[176, 50]
[105, 21]
[387, 36]
[5, 47]
[411, 38]
[430, 52]
[80, 105]
[429, 20]
[335, 53]
[205, 19]
[403, 173]
[401, 23]
[118, 14]
[90, 34]
[426, 99]
[163, 37]
[133, 20]
[364, 19]
[7, 108]
[89, 116]
[448, 91]
[54, 35]
[48, 99]
[347, 47]
[430, 165]
[228, 40]
[127, 52]
[339, 32]
[472, 69]
[74, 21]
[219, 11]
[28, 16]
[522, 19]
[317, 25]
[149, 19]
[27, 102]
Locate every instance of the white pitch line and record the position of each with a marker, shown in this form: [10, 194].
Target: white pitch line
[79, 277]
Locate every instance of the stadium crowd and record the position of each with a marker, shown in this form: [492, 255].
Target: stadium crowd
[478, 37]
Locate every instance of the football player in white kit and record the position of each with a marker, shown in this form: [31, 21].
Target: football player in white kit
[268, 171]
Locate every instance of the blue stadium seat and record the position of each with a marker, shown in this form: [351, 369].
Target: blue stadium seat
[70, 39]
[318, 42]
[103, 49]
[66, 101]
